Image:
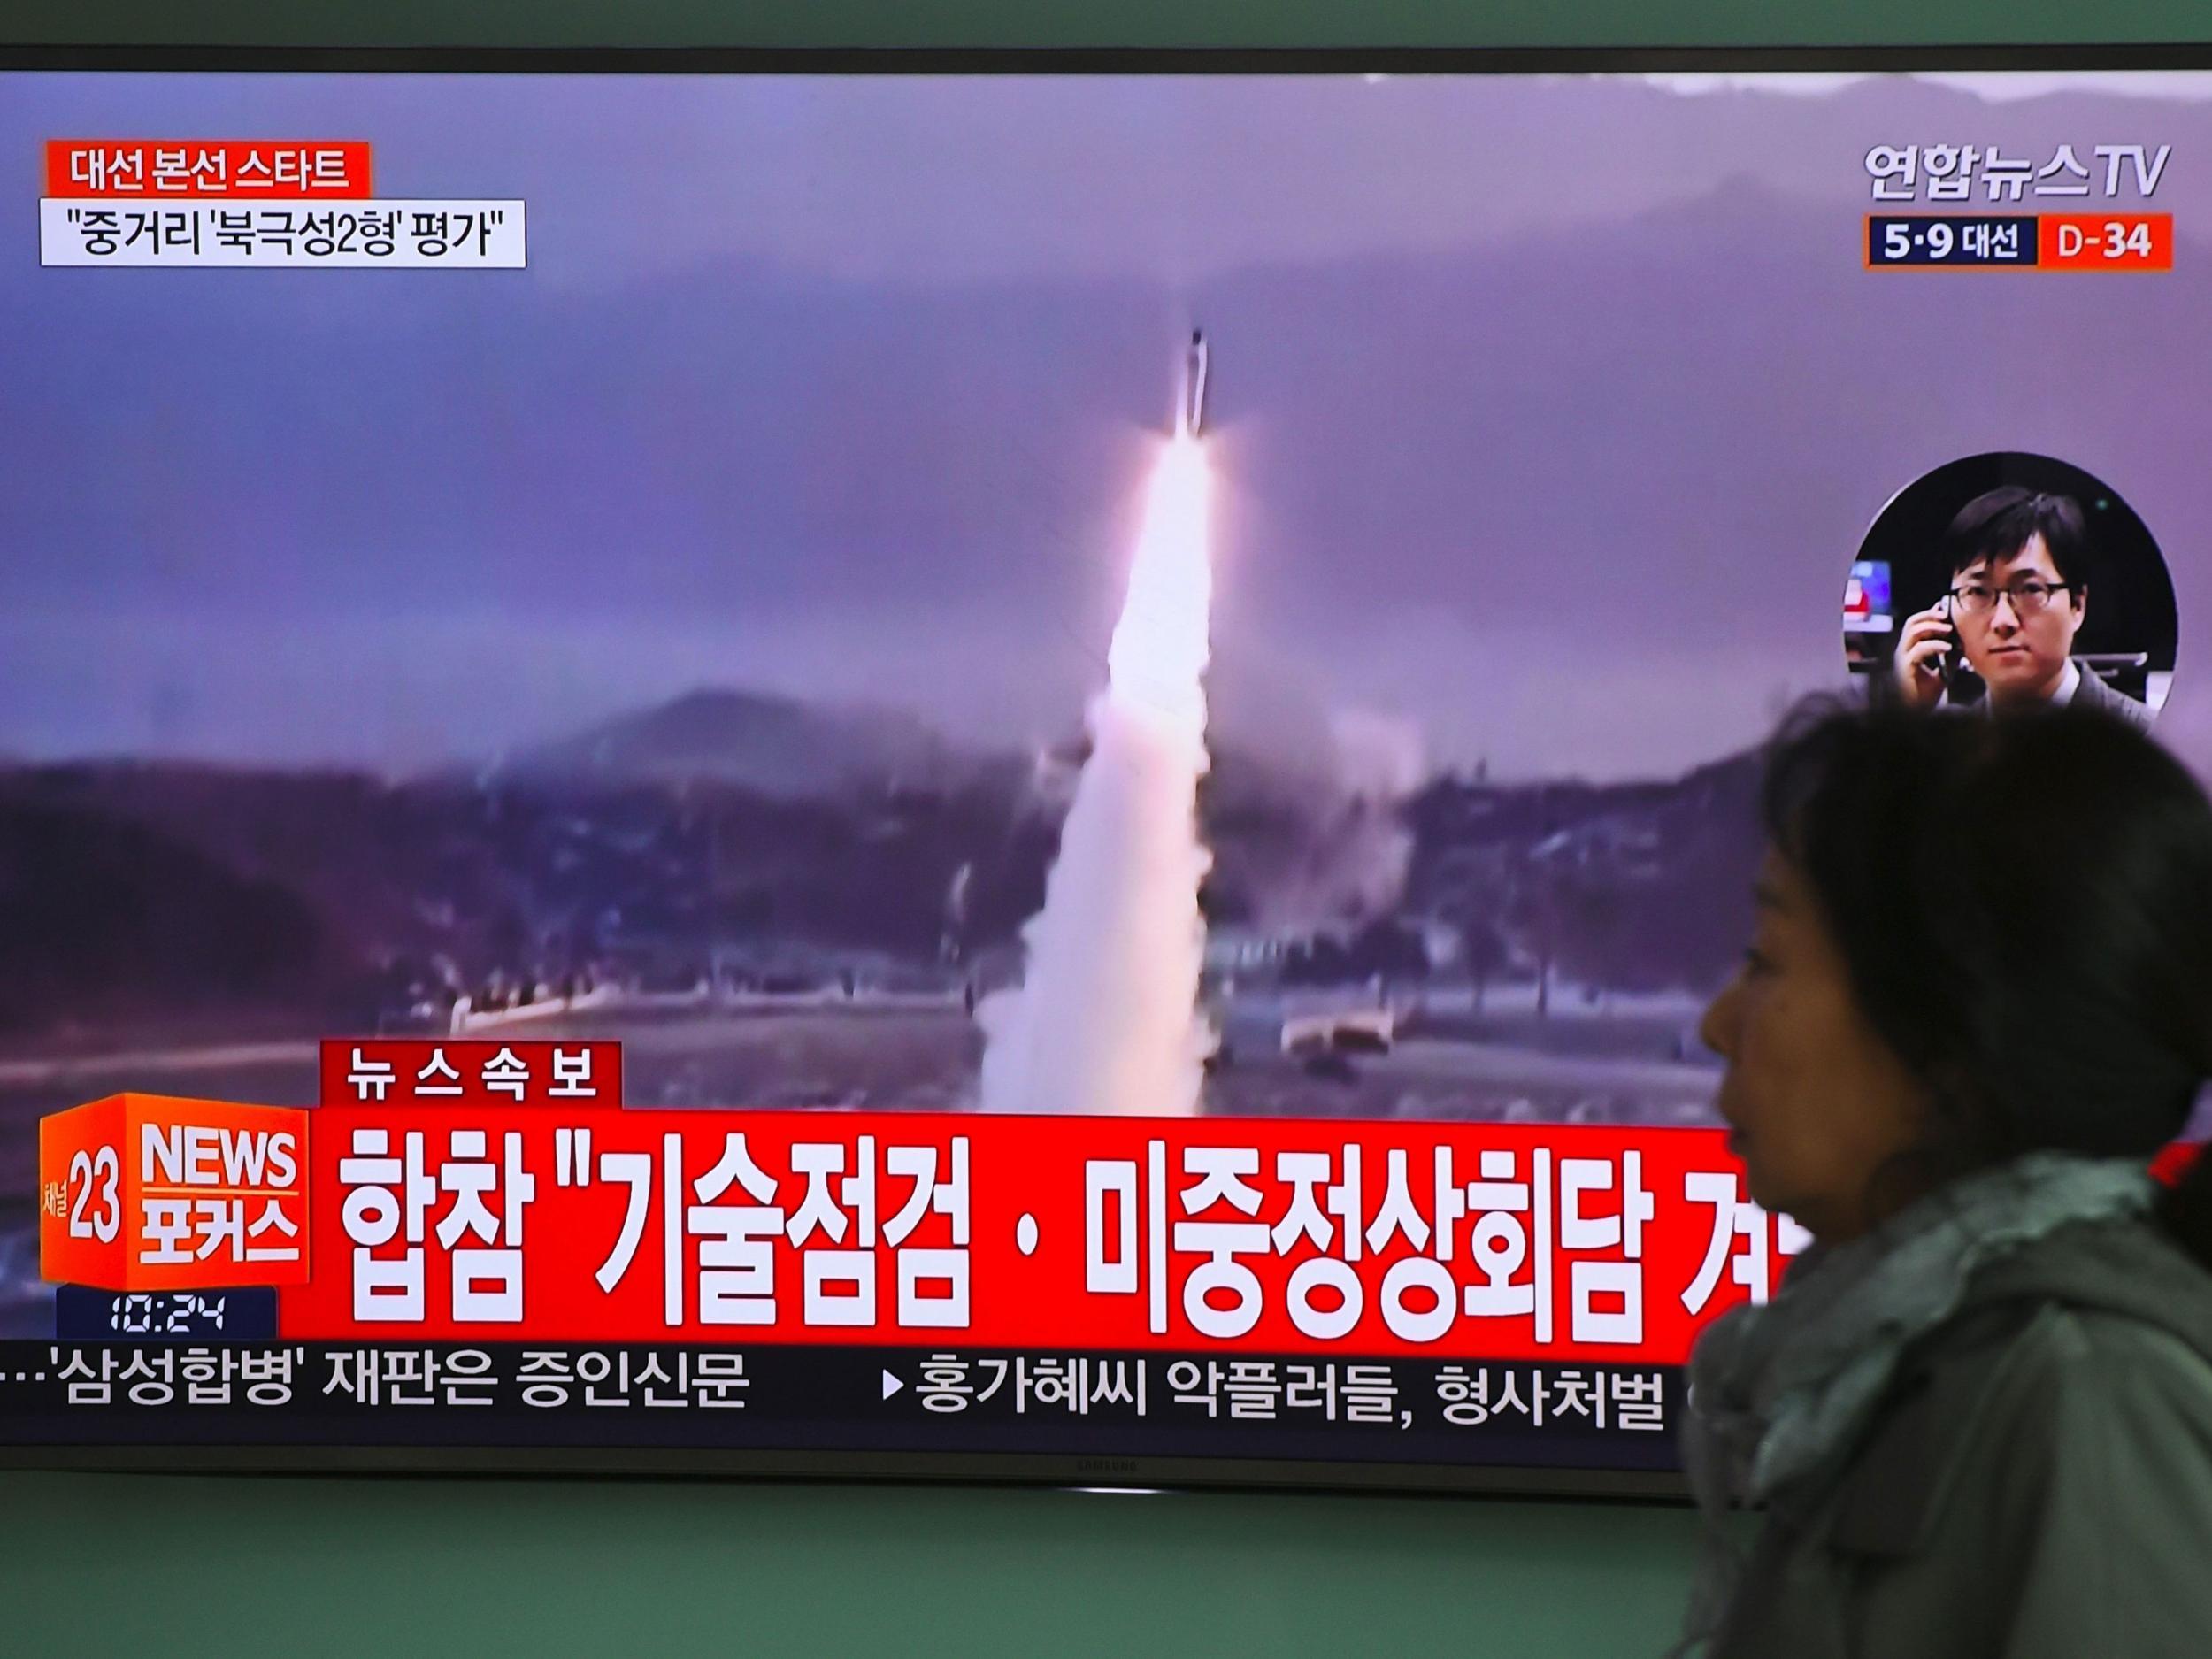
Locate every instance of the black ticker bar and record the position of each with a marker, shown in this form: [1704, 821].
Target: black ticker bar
[796, 1399]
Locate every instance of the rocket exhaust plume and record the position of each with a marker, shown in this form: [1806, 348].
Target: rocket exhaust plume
[1106, 1019]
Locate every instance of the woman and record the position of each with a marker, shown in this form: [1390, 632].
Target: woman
[1977, 1417]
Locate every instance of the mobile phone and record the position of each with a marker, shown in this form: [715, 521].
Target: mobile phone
[1948, 659]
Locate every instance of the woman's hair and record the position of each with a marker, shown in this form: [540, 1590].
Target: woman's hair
[2024, 905]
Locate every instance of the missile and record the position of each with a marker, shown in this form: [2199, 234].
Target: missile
[1192, 415]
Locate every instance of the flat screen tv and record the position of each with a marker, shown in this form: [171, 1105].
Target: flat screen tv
[1006, 766]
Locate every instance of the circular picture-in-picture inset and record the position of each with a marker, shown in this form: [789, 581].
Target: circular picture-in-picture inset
[2008, 581]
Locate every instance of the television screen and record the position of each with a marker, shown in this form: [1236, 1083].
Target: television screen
[1031, 773]
[1866, 598]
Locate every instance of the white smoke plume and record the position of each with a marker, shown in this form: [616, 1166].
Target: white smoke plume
[1331, 785]
[1105, 1020]
[1364, 852]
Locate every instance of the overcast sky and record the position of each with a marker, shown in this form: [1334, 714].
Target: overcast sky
[1551, 410]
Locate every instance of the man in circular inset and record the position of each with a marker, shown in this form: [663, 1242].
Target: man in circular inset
[2019, 593]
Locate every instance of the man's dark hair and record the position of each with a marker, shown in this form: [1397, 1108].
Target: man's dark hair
[2025, 910]
[1996, 525]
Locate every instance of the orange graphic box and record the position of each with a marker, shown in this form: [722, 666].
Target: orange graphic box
[145, 1192]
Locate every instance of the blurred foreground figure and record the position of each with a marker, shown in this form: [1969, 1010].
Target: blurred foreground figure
[1977, 1417]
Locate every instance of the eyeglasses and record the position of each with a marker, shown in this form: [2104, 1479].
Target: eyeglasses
[2029, 597]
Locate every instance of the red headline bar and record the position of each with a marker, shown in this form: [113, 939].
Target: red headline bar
[1477, 1240]
[533, 1208]
[496, 1190]
[272, 169]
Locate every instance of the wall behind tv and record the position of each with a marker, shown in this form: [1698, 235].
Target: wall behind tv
[1099, 23]
[185, 1565]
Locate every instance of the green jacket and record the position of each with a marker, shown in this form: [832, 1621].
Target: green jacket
[2038, 1482]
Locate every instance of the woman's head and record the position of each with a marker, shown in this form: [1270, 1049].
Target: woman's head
[1976, 937]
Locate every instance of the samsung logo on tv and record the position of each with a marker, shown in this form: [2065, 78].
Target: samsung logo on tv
[1111, 1466]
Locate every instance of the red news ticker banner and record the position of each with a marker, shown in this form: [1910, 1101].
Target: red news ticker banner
[275, 169]
[491, 1219]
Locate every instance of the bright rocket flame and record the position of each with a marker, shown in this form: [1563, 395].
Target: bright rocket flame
[1105, 1019]
[1158, 655]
